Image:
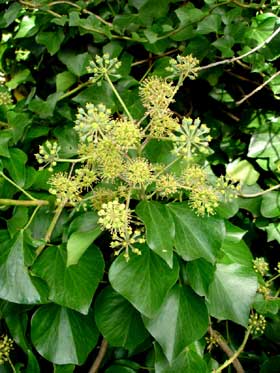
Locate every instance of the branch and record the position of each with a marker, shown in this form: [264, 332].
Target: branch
[100, 356]
[227, 350]
[14, 202]
[258, 88]
[234, 59]
[259, 193]
[236, 353]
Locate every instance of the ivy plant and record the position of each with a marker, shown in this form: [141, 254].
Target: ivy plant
[139, 186]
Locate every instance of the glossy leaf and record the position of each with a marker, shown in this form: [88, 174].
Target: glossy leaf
[159, 227]
[187, 361]
[49, 326]
[118, 321]
[144, 280]
[182, 319]
[17, 285]
[200, 274]
[65, 283]
[196, 237]
[225, 299]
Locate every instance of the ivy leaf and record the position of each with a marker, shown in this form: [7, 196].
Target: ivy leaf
[273, 232]
[200, 274]
[160, 228]
[65, 283]
[182, 319]
[187, 361]
[16, 165]
[196, 237]
[17, 285]
[118, 321]
[49, 326]
[144, 280]
[270, 206]
[76, 63]
[225, 300]
[64, 81]
[51, 40]
[5, 137]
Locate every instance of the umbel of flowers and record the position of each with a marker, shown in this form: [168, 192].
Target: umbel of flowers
[113, 167]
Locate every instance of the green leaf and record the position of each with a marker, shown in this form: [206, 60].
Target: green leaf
[212, 23]
[160, 228]
[20, 77]
[10, 15]
[270, 206]
[51, 40]
[187, 361]
[242, 171]
[266, 306]
[144, 280]
[63, 336]
[16, 165]
[27, 27]
[17, 324]
[69, 368]
[118, 321]
[64, 81]
[93, 94]
[16, 284]
[182, 319]
[65, 283]
[200, 274]
[5, 137]
[225, 300]
[76, 63]
[265, 144]
[43, 108]
[119, 369]
[271, 365]
[68, 140]
[273, 232]
[78, 243]
[18, 122]
[196, 237]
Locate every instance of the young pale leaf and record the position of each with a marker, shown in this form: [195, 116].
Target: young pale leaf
[182, 319]
[196, 237]
[144, 280]
[118, 321]
[187, 361]
[17, 285]
[49, 326]
[160, 228]
[65, 283]
[232, 292]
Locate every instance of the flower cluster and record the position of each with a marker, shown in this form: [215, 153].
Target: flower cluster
[48, 154]
[185, 66]
[103, 66]
[6, 345]
[257, 324]
[5, 97]
[115, 164]
[260, 266]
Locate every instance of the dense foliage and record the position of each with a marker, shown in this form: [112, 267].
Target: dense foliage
[139, 177]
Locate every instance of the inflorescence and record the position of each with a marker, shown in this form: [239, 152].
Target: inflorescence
[114, 165]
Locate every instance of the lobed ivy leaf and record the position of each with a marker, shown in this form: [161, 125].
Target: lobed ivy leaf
[49, 326]
[144, 280]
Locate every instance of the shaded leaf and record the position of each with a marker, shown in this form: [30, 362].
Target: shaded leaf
[200, 274]
[118, 321]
